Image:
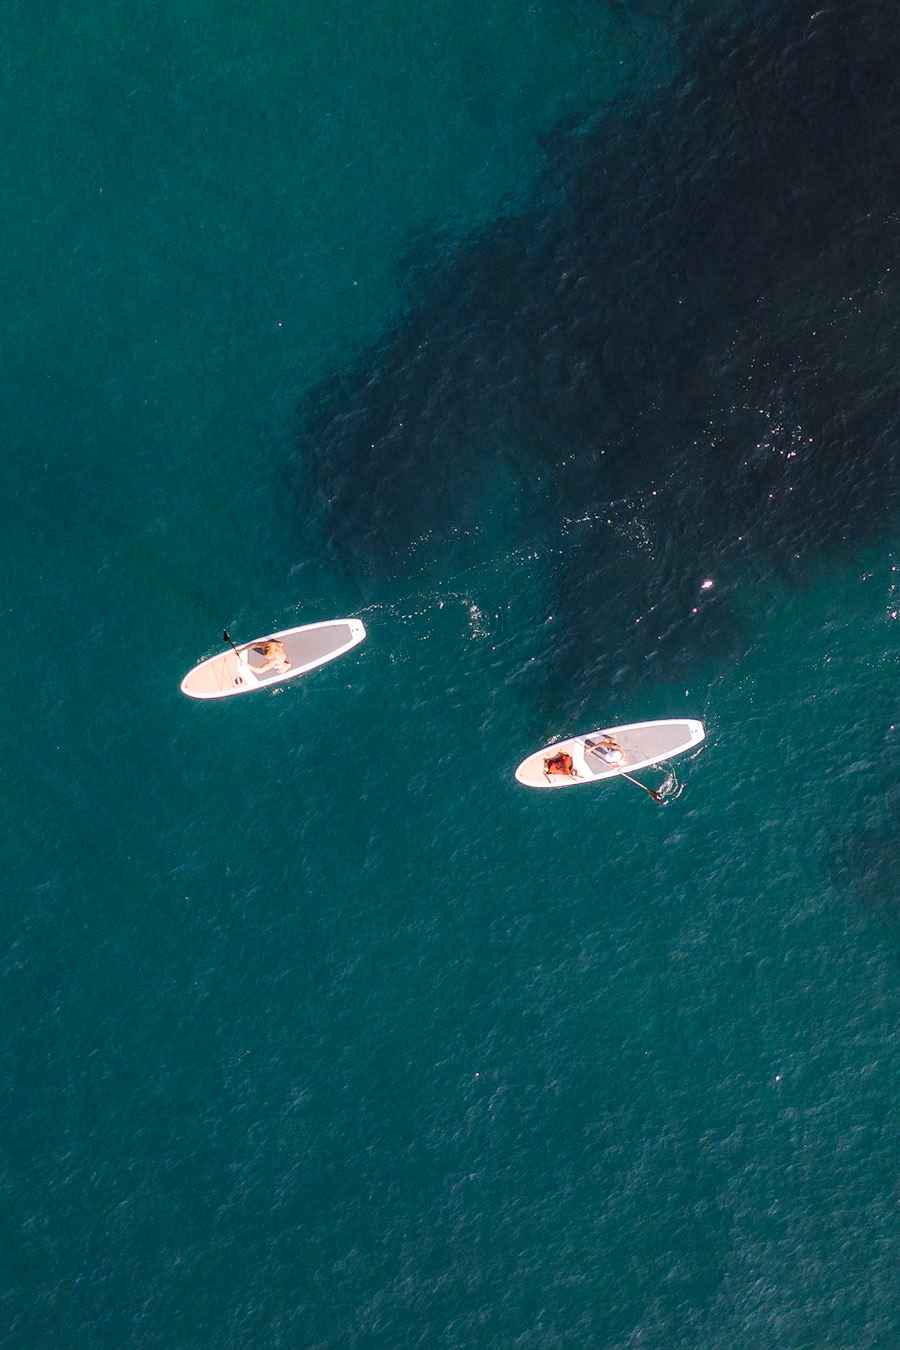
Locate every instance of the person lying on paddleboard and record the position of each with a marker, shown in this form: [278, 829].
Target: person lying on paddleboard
[609, 749]
[275, 658]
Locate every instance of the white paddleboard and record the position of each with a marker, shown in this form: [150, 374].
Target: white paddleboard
[641, 744]
[304, 648]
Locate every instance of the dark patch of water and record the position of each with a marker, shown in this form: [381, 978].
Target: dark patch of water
[693, 331]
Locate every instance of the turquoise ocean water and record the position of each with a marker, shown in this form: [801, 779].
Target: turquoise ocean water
[506, 328]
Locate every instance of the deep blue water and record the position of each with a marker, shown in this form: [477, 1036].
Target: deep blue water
[506, 331]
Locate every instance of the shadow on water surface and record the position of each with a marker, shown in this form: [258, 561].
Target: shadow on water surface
[680, 360]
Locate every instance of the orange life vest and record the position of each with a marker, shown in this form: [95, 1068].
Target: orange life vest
[561, 763]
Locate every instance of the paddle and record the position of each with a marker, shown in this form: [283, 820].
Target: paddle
[657, 796]
[226, 637]
[651, 792]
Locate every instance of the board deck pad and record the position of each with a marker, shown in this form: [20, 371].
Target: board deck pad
[306, 647]
[642, 744]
